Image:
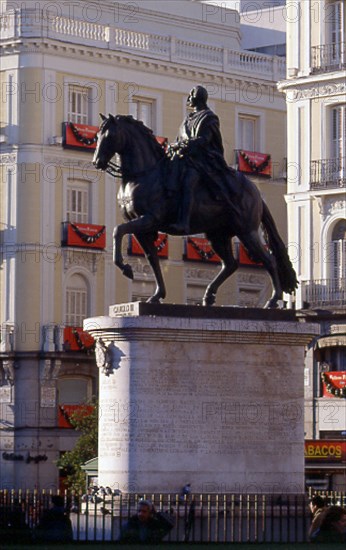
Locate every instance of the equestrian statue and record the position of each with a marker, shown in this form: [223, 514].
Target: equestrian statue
[185, 190]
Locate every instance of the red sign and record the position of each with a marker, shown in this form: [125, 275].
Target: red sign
[75, 339]
[251, 162]
[244, 258]
[79, 136]
[162, 141]
[161, 243]
[326, 451]
[86, 235]
[199, 249]
[65, 412]
[334, 384]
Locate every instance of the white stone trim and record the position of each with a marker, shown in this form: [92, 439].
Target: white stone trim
[156, 97]
[84, 83]
[261, 115]
[91, 283]
[325, 240]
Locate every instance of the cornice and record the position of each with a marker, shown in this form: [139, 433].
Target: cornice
[311, 87]
[133, 61]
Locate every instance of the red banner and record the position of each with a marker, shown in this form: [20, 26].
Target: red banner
[65, 412]
[79, 136]
[328, 451]
[162, 141]
[334, 384]
[244, 258]
[161, 243]
[255, 163]
[86, 235]
[199, 249]
[75, 339]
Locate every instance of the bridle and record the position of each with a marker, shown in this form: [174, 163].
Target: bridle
[115, 170]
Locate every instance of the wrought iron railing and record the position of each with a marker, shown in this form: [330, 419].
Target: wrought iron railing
[195, 518]
[324, 292]
[328, 57]
[328, 173]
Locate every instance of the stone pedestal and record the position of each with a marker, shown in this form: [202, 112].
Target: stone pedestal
[208, 396]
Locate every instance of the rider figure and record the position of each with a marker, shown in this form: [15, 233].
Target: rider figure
[198, 152]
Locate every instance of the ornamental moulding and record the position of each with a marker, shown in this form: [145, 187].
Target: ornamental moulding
[8, 158]
[329, 206]
[316, 91]
[153, 65]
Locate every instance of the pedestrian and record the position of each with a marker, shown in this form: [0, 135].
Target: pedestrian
[54, 525]
[147, 526]
[316, 505]
[332, 525]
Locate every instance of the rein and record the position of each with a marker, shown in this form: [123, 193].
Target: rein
[115, 170]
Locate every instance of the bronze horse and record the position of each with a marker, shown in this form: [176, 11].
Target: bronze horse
[147, 209]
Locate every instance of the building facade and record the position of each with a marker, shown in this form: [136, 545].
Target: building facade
[316, 201]
[62, 64]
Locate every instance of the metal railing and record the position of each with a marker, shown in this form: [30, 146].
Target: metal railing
[324, 292]
[328, 173]
[197, 517]
[328, 57]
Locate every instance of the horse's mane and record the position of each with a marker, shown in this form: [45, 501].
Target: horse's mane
[146, 132]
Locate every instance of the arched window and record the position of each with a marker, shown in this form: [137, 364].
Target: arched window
[339, 251]
[77, 303]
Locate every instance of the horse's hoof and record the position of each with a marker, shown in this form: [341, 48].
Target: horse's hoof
[272, 304]
[209, 300]
[153, 300]
[127, 271]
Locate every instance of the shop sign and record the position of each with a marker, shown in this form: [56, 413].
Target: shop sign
[325, 451]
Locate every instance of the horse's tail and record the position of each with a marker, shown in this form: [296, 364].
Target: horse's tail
[287, 275]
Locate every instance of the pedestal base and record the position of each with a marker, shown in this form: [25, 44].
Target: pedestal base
[208, 396]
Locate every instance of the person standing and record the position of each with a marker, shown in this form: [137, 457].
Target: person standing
[147, 526]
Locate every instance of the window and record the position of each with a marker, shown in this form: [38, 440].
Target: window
[73, 391]
[248, 132]
[339, 252]
[334, 17]
[144, 110]
[79, 110]
[339, 131]
[77, 208]
[338, 152]
[76, 301]
[336, 32]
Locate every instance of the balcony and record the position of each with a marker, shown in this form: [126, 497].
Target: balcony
[328, 173]
[32, 23]
[324, 293]
[328, 57]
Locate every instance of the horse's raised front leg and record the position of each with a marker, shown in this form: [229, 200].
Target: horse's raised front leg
[147, 242]
[221, 244]
[142, 224]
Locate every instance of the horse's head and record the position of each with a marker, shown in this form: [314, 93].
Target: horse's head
[108, 142]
